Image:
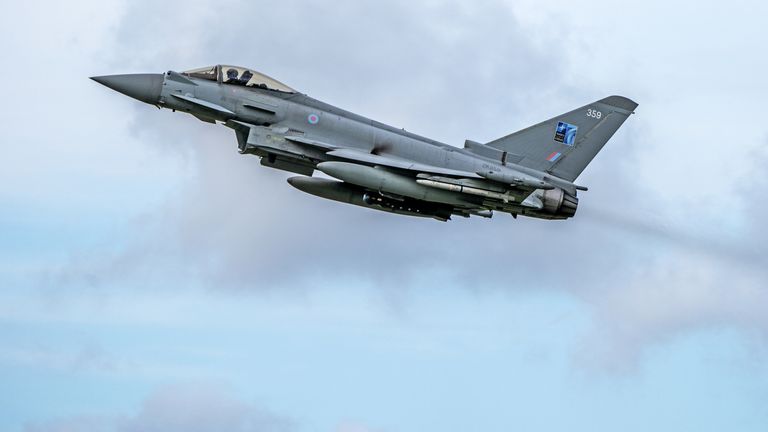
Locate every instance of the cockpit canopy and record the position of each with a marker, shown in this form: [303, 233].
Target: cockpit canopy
[237, 75]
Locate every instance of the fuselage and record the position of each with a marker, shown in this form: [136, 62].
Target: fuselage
[321, 121]
[381, 166]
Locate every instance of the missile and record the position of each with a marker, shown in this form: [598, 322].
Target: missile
[505, 197]
[513, 177]
[385, 181]
[351, 194]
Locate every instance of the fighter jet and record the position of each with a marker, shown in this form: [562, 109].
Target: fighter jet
[370, 164]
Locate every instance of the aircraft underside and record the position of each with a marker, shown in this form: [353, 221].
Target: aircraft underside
[379, 188]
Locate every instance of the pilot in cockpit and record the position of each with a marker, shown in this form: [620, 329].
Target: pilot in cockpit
[245, 77]
[231, 76]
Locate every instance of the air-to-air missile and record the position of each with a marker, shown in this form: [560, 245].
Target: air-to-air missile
[530, 172]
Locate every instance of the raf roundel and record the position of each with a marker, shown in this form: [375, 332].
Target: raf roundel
[313, 118]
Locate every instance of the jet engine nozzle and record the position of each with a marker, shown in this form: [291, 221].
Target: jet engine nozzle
[559, 204]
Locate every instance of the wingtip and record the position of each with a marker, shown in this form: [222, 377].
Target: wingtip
[620, 102]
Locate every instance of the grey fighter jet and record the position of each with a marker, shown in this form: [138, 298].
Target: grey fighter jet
[530, 172]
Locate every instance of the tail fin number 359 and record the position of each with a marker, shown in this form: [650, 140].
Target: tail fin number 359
[594, 113]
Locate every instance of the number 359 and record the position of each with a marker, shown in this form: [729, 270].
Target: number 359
[594, 114]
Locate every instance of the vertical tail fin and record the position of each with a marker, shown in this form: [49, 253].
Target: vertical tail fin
[566, 144]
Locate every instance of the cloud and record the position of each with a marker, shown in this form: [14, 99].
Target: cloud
[353, 427]
[87, 357]
[683, 293]
[699, 278]
[235, 220]
[187, 408]
[450, 71]
[73, 424]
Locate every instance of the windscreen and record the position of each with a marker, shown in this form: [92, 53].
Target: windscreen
[209, 73]
[250, 78]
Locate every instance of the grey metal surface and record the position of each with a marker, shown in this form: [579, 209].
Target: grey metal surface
[143, 87]
[529, 172]
[534, 144]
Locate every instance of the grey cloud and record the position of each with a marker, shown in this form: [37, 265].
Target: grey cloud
[649, 228]
[691, 280]
[93, 356]
[196, 409]
[73, 424]
[456, 72]
[88, 357]
[396, 59]
[681, 293]
[241, 224]
[188, 408]
[353, 427]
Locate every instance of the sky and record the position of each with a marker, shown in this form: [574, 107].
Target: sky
[153, 279]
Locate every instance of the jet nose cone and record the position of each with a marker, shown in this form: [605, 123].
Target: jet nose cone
[144, 87]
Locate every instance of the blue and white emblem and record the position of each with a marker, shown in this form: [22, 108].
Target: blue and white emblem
[313, 118]
[566, 133]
